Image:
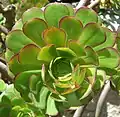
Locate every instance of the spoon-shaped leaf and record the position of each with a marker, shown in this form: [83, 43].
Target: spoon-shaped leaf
[72, 27]
[53, 13]
[86, 15]
[55, 36]
[32, 13]
[33, 29]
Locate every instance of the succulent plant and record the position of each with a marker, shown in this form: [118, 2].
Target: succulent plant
[59, 56]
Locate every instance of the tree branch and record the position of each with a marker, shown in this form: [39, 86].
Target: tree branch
[81, 3]
[94, 3]
[3, 29]
[4, 72]
[79, 111]
[102, 98]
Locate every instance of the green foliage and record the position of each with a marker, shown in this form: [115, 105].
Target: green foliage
[59, 58]
[23, 5]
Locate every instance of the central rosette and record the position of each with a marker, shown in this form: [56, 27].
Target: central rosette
[61, 68]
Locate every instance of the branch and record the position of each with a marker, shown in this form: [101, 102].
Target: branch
[3, 29]
[94, 3]
[102, 98]
[79, 111]
[81, 3]
[4, 72]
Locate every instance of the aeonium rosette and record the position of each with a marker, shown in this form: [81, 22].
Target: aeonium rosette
[63, 50]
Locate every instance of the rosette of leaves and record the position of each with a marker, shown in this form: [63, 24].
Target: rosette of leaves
[59, 56]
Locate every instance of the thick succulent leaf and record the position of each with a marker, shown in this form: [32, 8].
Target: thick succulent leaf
[8, 54]
[72, 99]
[99, 81]
[5, 110]
[91, 56]
[51, 107]
[66, 53]
[55, 36]
[2, 85]
[92, 35]
[86, 15]
[22, 82]
[78, 75]
[18, 25]
[70, 8]
[110, 40]
[33, 29]
[54, 12]
[32, 13]
[87, 92]
[72, 27]
[16, 40]
[43, 97]
[16, 67]
[47, 53]
[18, 101]
[28, 55]
[118, 42]
[77, 48]
[108, 58]
[33, 80]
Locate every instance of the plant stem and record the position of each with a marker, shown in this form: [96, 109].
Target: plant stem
[3, 29]
[81, 3]
[79, 111]
[94, 3]
[102, 98]
[4, 72]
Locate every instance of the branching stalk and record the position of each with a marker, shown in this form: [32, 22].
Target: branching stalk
[94, 3]
[102, 98]
[4, 72]
[81, 3]
[79, 111]
[3, 29]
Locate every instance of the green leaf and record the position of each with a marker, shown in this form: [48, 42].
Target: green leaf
[18, 25]
[72, 27]
[110, 40]
[2, 85]
[35, 35]
[33, 83]
[55, 36]
[70, 8]
[92, 35]
[78, 75]
[47, 53]
[8, 54]
[32, 13]
[30, 51]
[66, 53]
[16, 40]
[72, 99]
[86, 15]
[91, 56]
[118, 43]
[77, 48]
[22, 82]
[51, 107]
[43, 97]
[16, 101]
[54, 12]
[5, 110]
[108, 58]
[16, 67]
